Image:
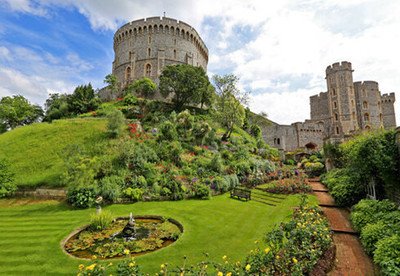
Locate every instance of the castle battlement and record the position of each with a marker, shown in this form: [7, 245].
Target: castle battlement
[161, 25]
[338, 66]
[388, 97]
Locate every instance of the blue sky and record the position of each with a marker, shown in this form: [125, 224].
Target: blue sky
[279, 49]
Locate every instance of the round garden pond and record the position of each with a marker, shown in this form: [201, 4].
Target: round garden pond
[139, 234]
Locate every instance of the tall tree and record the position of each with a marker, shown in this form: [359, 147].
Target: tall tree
[229, 108]
[57, 107]
[112, 82]
[83, 100]
[18, 111]
[186, 83]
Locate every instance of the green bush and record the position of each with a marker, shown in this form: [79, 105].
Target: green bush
[116, 123]
[134, 193]
[130, 99]
[370, 211]
[347, 194]
[202, 191]
[100, 221]
[110, 187]
[232, 180]
[216, 164]
[372, 233]
[168, 131]
[82, 196]
[7, 185]
[220, 184]
[387, 255]
[314, 169]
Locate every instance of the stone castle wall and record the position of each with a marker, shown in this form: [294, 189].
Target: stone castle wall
[345, 109]
[144, 47]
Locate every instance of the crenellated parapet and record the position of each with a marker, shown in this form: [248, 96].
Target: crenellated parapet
[338, 66]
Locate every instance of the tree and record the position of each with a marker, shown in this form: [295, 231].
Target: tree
[83, 100]
[186, 83]
[18, 111]
[229, 109]
[144, 87]
[56, 107]
[112, 82]
[7, 184]
[207, 96]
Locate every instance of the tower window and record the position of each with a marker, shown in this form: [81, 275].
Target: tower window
[148, 70]
[352, 103]
[365, 105]
[149, 52]
[174, 54]
[333, 92]
[337, 130]
[128, 74]
[149, 39]
[366, 117]
[381, 117]
[354, 116]
[334, 105]
[336, 117]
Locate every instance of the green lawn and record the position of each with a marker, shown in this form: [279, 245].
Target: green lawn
[34, 151]
[30, 235]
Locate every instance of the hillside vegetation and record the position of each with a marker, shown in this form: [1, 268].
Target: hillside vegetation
[35, 151]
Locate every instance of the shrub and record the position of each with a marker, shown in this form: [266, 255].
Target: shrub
[372, 233]
[7, 185]
[130, 100]
[168, 131]
[134, 193]
[370, 211]
[216, 164]
[110, 187]
[82, 196]
[314, 169]
[100, 221]
[347, 194]
[289, 186]
[116, 123]
[232, 180]
[202, 191]
[387, 255]
[220, 184]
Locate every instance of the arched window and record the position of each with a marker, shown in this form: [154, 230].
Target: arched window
[149, 39]
[337, 130]
[352, 103]
[128, 74]
[366, 117]
[365, 104]
[336, 117]
[149, 52]
[381, 117]
[278, 141]
[148, 70]
[354, 116]
[333, 92]
[334, 105]
[174, 54]
[367, 127]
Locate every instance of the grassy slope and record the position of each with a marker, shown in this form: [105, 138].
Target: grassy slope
[34, 150]
[30, 235]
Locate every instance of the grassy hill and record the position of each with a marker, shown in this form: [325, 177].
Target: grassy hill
[35, 151]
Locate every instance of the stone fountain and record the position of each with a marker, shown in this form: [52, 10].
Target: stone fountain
[131, 232]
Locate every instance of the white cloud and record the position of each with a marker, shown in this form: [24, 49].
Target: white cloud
[282, 52]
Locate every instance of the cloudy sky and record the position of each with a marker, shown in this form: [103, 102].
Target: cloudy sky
[279, 49]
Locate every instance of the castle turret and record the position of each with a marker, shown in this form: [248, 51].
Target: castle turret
[341, 99]
[389, 117]
[368, 104]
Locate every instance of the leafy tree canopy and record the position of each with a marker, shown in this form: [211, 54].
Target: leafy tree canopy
[186, 83]
[144, 87]
[18, 111]
[83, 100]
[112, 82]
[229, 109]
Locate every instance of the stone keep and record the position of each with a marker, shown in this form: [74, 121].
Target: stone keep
[144, 47]
[345, 109]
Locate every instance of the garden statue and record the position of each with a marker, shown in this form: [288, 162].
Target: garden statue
[98, 202]
[129, 231]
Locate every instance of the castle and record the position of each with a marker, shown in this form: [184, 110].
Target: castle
[345, 109]
[144, 47]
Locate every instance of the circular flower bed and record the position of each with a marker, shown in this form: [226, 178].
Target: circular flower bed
[154, 232]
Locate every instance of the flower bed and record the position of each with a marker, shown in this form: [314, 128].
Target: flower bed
[291, 185]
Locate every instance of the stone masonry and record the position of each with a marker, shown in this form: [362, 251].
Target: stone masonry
[345, 109]
[144, 47]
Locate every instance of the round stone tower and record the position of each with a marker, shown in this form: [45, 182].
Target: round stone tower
[144, 47]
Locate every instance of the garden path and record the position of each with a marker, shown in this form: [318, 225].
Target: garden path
[350, 256]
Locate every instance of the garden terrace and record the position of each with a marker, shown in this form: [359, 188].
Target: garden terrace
[50, 222]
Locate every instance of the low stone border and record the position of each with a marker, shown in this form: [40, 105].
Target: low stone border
[80, 229]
